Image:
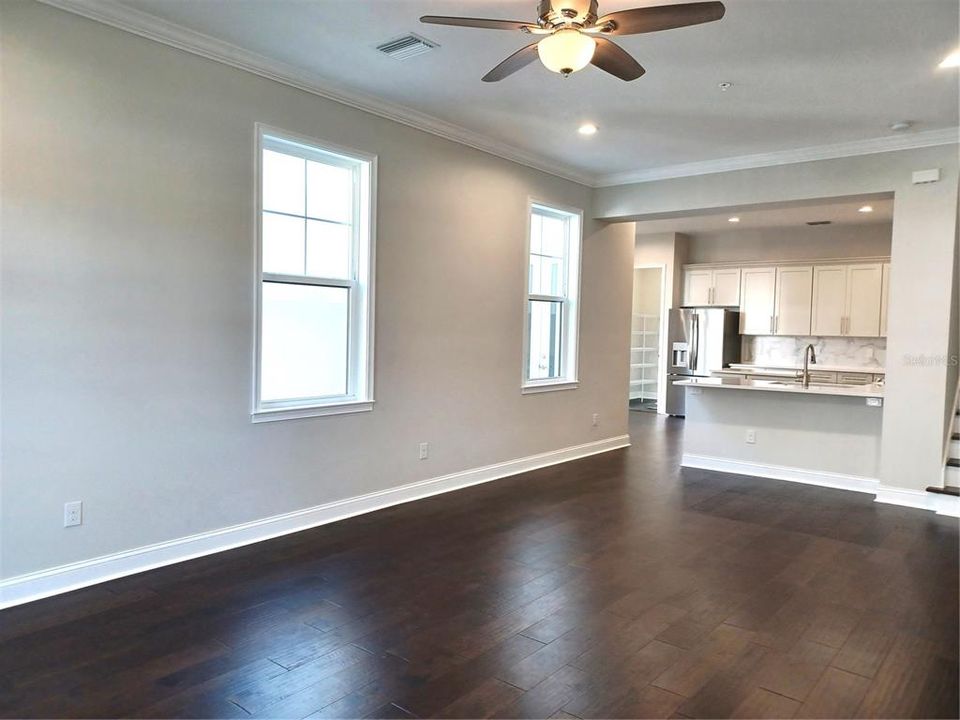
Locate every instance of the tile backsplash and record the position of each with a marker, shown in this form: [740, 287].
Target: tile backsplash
[855, 352]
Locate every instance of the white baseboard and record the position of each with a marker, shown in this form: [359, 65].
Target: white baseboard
[940, 504]
[53, 581]
[822, 478]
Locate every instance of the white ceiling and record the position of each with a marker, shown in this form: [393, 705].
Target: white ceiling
[806, 73]
[793, 215]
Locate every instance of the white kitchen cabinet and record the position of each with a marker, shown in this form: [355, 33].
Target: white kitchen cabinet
[697, 287]
[719, 287]
[846, 300]
[726, 287]
[794, 292]
[829, 300]
[884, 299]
[864, 294]
[757, 300]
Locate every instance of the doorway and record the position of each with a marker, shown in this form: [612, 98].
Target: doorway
[645, 331]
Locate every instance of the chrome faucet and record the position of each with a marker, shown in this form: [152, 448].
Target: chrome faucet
[809, 356]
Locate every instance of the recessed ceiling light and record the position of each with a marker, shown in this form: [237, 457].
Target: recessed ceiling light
[724, 86]
[733, 220]
[587, 129]
[952, 60]
[866, 209]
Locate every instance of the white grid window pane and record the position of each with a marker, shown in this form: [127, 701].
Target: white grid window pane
[284, 188]
[283, 244]
[545, 318]
[554, 236]
[304, 345]
[546, 275]
[328, 250]
[329, 192]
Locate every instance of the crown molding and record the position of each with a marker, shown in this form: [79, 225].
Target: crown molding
[153, 28]
[890, 143]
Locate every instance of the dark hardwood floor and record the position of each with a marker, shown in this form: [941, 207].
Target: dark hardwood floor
[616, 586]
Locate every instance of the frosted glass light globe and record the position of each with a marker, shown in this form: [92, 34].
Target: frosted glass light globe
[566, 51]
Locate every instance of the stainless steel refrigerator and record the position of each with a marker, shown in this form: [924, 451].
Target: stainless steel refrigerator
[699, 341]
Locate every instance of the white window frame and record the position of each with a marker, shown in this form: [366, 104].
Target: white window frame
[360, 334]
[570, 301]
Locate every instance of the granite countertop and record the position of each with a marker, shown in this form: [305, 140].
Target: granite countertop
[816, 366]
[737, 383]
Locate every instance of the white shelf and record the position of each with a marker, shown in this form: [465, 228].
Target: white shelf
[645, 335]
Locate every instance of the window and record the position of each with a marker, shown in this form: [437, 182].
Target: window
[315, 296]
[551, 313]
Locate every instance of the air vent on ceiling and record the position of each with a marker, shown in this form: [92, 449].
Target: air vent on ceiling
[820, 222]
[408, 46]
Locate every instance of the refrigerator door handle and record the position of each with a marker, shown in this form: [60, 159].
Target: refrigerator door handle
[695, 349]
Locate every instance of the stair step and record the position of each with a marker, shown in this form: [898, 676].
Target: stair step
[954, 451]
[945, 490]
[953, 462]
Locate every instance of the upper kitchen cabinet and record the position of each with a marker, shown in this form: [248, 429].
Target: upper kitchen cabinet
[829, 299]
[884, 299]
[757, 300]
[847, 299]
[726, 287]
[794, 290]
[697, 287]
[720, 286]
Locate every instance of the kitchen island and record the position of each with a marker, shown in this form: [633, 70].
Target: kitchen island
[823, 435]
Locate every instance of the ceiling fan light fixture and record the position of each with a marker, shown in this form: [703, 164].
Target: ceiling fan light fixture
[566, 51]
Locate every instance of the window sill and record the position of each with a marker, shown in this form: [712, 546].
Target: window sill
[539, 387]
[297, 413]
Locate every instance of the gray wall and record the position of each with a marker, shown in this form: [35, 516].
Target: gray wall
[800, 243]
[922, 270]
[822, 433]
[128, 301]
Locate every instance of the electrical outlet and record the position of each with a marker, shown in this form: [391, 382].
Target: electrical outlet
[72, 513]
[751, 437]
[424, 451]
[596, 419]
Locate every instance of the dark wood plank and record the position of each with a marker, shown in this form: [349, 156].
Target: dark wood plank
[837, 695]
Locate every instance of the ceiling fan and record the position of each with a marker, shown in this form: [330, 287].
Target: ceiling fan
[574, 35]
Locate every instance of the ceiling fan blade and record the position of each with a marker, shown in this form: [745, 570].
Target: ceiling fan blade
[661, 17]
[519, 60]
[482, 23]
[613, 59]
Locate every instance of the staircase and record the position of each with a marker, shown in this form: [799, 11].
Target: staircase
[951, 475]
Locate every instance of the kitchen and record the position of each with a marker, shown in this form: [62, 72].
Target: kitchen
[774, 349]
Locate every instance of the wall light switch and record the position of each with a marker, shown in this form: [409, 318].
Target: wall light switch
[596, 419]
[751, 437]
[874, 402]
[424, 451]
